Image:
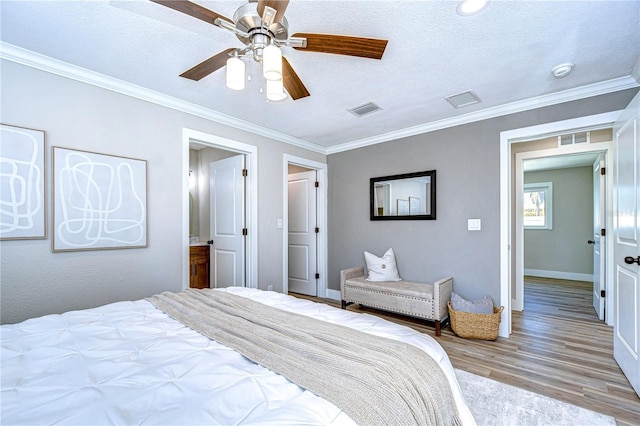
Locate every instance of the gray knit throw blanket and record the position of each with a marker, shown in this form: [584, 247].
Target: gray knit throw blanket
[376, 381]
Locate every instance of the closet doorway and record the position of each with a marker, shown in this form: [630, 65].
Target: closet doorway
[304, 227]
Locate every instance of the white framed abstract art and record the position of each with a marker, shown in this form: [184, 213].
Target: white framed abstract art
[99, 201]
[22, 183]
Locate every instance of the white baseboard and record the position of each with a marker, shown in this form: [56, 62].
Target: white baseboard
[515, 306]
[333, 294]
[575, 276]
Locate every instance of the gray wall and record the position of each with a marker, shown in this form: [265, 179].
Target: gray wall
[564, 248]
[34, 281]
[467, 161]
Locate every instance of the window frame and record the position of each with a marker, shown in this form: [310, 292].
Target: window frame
[547, 189]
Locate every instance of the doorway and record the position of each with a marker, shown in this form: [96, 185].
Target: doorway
[555, 216]
[293, 258]
[230, 148]
[511, 262]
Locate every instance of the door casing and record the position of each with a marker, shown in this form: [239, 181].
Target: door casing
[507, 255]
[321, 169]
[518, 297]
[251, 161]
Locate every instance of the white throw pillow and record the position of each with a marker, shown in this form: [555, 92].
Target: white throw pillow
[382, 268]
[480, 306]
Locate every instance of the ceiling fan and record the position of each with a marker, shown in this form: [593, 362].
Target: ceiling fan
[263, 29]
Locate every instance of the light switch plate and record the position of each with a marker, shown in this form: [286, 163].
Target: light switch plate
[474, 224]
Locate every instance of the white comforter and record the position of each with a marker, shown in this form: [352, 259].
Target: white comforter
[129, 363]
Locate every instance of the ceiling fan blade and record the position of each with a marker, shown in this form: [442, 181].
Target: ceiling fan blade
[292, 82]
[192, 9]
[344, 45]
[205, 68]
[279, 5]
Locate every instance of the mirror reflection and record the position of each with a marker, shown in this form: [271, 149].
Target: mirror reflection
[407, 196]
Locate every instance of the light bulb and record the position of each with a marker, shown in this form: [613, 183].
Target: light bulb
[272, 62]
[275, 90]
[235, 73]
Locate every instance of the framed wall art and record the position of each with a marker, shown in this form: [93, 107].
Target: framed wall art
[99, 201]
[22, 183]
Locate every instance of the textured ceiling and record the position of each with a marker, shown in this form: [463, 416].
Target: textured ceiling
[504, 54]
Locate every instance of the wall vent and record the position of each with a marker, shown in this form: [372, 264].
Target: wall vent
[364, 109]
[574, 138]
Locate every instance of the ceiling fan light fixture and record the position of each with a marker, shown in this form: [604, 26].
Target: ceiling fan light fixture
[275, 90]
[471, 7]
[272, 62]
[235, 73]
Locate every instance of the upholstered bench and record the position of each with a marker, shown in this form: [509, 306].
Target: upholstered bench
[421, 300]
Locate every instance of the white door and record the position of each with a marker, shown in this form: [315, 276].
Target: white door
[302, 233]
[626, 247]
[227, 218]
[599, 246]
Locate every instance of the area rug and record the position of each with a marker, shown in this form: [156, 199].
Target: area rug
[495, 403]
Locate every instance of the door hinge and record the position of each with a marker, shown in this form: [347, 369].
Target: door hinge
[317, 276]
[603, 171]
[317, 230]
[602, 293]
[603, 233]
[317, 184]
[244, 231]
[245, 172]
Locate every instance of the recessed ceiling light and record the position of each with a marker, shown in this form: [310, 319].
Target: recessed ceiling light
[562, 70]
[471, 7]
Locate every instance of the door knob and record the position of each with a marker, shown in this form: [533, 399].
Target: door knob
[591, 242]
[630, 260]
[210, 242]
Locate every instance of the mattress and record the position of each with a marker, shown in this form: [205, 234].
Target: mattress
[129, 363]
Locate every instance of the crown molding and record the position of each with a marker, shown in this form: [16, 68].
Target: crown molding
[35, 60]
[577, 93]
[31, 59]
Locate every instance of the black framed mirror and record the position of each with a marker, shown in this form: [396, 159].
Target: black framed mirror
[409, 196]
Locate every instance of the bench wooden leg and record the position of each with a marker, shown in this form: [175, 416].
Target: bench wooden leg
[437, 328]
[344, 304]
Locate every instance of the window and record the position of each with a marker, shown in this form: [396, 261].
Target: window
[537, 205]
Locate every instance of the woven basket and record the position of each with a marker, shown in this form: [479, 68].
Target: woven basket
[475, 326]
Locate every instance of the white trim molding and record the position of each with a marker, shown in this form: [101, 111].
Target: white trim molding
[510, 259]
[582, 92]
[558, 275]
[35, 60]
[251, 164]
[322, 213]
[22, 56]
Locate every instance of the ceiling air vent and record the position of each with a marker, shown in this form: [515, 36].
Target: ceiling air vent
[463, 99]
[364, 109]
[574, 138]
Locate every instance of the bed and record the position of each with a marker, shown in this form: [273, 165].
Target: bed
[132, 363]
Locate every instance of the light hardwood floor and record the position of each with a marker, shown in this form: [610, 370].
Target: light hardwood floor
[557, 348]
